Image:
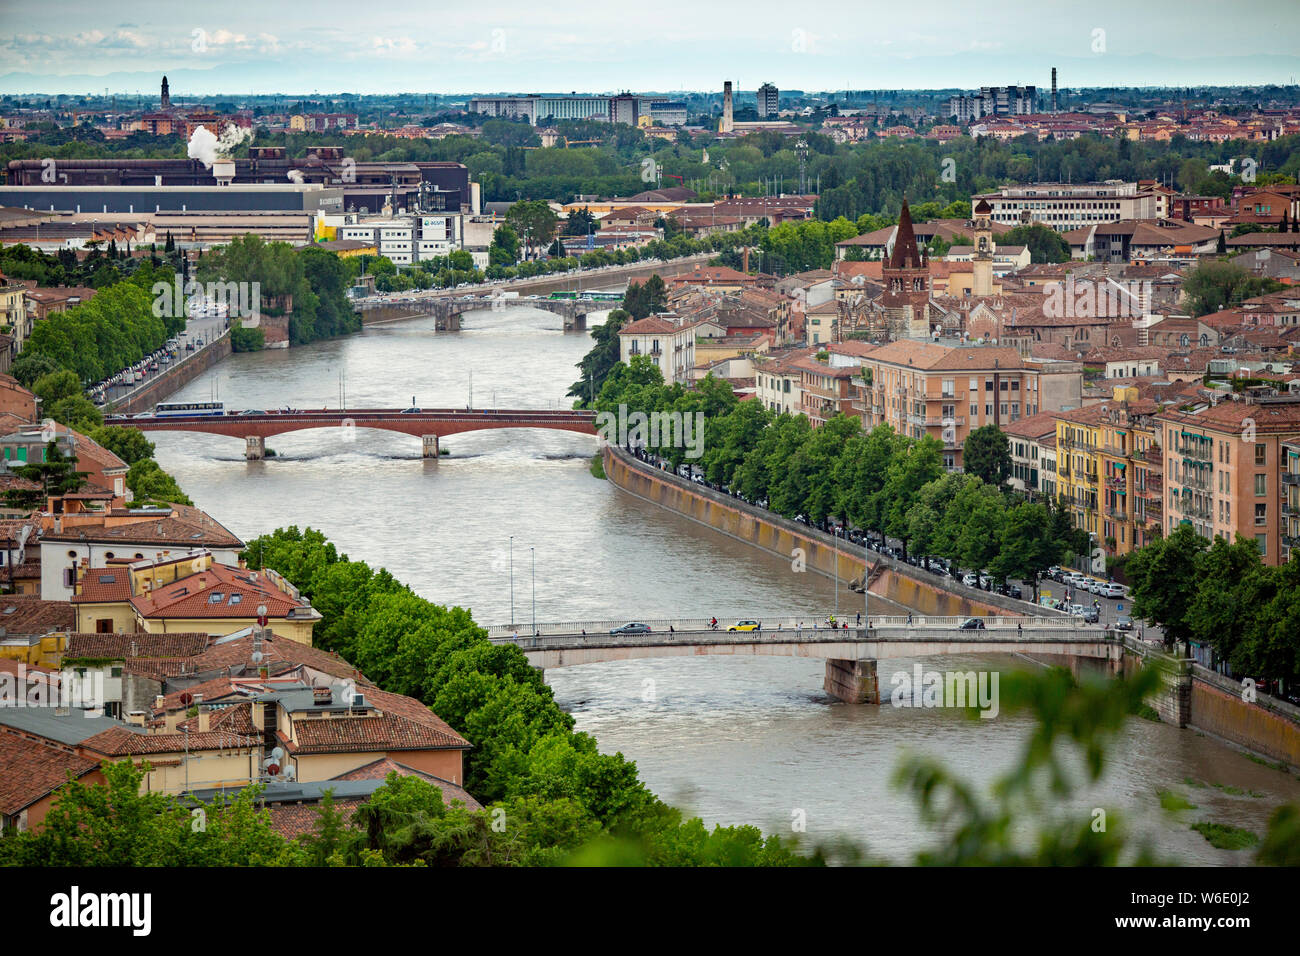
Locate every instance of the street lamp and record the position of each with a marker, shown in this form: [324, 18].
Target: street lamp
[512, 580]
[533, 557]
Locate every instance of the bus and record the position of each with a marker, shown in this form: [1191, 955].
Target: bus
[188, 409]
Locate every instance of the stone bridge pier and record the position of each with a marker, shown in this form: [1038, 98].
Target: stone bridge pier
[852, 681]
[254, 447]
[431, 449]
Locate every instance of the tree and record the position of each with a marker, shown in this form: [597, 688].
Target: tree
[600, 361]
[56, 475]
[534, 221]
[150, 483]
[504, 250]
[1027, 548]
[1163, 581]
[986, 454]
[1045, 244]
[127, 443]
[1214, 285]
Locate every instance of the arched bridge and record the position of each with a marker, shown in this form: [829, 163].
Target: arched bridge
[851, 653]
[427, 424]
[448, 309]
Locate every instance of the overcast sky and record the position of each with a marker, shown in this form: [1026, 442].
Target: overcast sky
[241, 46]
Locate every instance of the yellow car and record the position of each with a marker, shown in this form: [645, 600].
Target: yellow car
[745, 626]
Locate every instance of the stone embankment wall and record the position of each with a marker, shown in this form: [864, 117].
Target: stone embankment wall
[1193, 696]
[176, 377]
[895, 580]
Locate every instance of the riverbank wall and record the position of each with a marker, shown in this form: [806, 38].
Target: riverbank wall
[1200, 699]
[176, 377]
[804, 547]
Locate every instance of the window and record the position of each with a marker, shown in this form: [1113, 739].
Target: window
[104, 625]
[1261, 485]
[1262, 541]
[1261, 515]
[1260, 453]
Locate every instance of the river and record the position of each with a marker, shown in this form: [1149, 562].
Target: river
[736, 740]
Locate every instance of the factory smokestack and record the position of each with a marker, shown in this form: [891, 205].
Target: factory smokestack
[1053, 89]
[727, 121]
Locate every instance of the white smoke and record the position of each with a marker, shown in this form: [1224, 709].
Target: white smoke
[208, 149]
[295, 176]
[203, 146]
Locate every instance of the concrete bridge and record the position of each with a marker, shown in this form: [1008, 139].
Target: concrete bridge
[851, 653]
[428, 424]
[448, 309]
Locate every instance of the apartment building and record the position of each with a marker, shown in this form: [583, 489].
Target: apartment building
[826, 389]
[1032, 444]
[1065, 207]
[670, 346]
[1290, 478]
[923, 388]
[779, 383]
[1224, 470]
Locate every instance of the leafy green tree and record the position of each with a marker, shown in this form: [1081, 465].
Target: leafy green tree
[598, 363]
[1163, 581]
[534, 221]
[986, 454]
[1215, 285]
[1027, 548]
[149, 482]
[920, 463]
[1045, 244]
[127, 443]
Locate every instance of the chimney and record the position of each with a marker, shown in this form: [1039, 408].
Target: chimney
[159, 702]
[205, 717]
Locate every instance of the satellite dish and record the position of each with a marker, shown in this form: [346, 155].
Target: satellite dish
[272, 768]
[261, 610]
[187, 698]
[276, 754]
[257, 657]
[289, 773]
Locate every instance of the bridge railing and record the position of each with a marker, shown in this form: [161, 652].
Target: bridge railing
[781, 624]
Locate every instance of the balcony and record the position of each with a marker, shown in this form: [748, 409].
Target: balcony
[1119, 514]
[1291, 477]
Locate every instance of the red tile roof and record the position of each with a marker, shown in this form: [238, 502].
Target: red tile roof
[121, 647]
[32, 769]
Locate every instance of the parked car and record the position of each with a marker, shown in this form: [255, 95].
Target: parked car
[1113, 589]
[634, 627]
[1085, 611]
[972, 624]
[745, 626]
[970, 579]
[1011, 591]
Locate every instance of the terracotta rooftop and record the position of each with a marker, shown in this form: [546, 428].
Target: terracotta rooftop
[120, 647]
[28, 614]
[32, 769]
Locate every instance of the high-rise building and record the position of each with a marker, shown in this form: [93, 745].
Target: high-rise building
[768, 96]
[994, 101]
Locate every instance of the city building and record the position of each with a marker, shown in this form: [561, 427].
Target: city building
[669, 346]
[924, 388]
[187, 593]
[1224, 470]
[410, 238]
[1064, 206]
[768, 100]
